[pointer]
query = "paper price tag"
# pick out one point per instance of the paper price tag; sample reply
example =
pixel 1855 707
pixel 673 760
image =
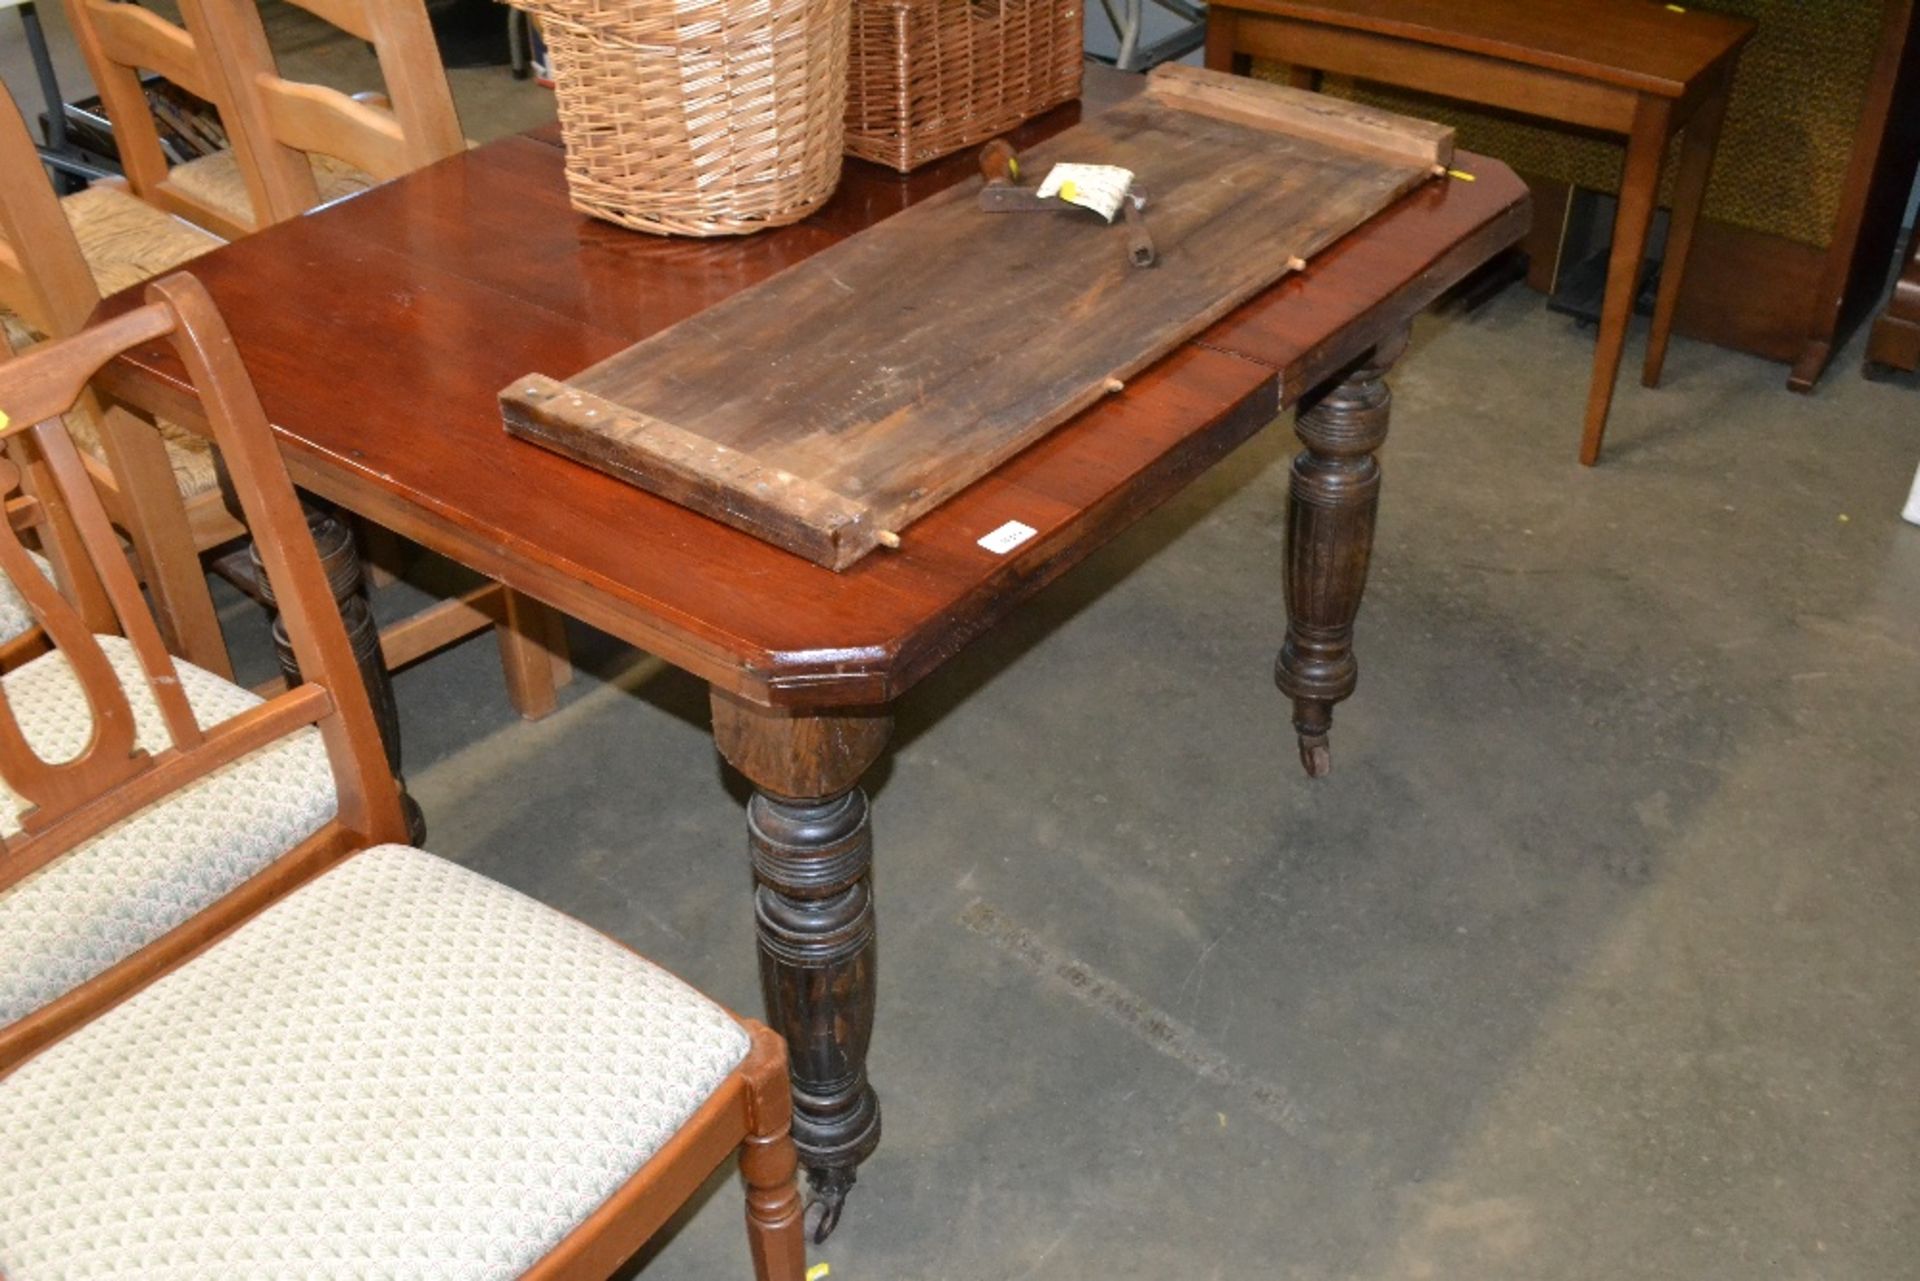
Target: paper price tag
pixel 1100 188
pixel 1007 537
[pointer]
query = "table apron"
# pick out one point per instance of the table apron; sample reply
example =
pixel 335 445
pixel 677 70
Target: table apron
pixel 1452 73
pixel 822 688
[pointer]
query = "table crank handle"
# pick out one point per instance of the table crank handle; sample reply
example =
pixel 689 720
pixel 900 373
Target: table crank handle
pixel 999 162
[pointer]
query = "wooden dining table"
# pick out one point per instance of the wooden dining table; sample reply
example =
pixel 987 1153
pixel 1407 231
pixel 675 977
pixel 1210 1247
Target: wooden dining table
pixel 380 331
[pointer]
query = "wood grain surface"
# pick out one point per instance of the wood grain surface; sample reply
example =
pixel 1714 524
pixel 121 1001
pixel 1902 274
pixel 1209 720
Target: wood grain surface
pixel 827 408
pixel 380 331
pixel 1643 45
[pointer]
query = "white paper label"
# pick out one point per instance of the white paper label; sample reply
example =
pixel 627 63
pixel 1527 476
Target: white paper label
pixel 1007 537
pixel 1100 188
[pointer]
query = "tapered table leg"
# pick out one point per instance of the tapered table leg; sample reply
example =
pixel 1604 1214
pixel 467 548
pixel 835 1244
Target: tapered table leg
pixel 1330 514
pixel 340 557
pixel 812 851
pixel 1702 136
pixel 1639 192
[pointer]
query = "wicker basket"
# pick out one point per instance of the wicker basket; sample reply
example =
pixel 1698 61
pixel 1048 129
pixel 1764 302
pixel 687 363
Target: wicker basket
pixel 698 117
pixel 929 77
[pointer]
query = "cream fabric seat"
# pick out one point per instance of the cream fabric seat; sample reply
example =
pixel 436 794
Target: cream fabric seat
pixel 216 181
pixel 126 242
pixel 15 618
pixel 112 895
pixel 402 1070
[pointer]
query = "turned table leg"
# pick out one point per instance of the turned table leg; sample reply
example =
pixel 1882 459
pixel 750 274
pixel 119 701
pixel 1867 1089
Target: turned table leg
pixel 1330 513
pixel 812 852
pixel 340 557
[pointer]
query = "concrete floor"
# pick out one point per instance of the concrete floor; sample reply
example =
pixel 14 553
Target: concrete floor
pixel 1593 959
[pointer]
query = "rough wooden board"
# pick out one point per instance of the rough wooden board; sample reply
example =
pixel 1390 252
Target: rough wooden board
pixel 849 395
pixel 1318 116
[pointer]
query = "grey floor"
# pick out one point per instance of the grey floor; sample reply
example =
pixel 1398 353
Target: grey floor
pixel 1594 959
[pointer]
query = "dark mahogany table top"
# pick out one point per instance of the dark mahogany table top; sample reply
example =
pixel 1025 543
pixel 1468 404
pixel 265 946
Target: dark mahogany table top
pixel 381 329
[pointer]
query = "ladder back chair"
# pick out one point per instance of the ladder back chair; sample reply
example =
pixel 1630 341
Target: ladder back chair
pixel 292 128
pixel 224 1100
pixel 222 192
pixel 330 144
pixel 120 41
pixel 289 137
pixel 164 490
pixel 52 276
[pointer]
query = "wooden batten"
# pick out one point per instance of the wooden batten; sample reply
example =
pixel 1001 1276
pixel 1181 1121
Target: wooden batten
pixel 1337 122
pixel 320 120
pixel 133 37
pixel 727 484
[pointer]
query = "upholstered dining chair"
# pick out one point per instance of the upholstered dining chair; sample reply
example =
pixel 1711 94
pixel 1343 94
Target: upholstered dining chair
pixel 357 1059
pixel 53 272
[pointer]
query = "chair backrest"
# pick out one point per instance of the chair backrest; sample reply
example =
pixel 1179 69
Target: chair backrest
pixel 43 276
pixel 285 122
pixel 119 41
pixel 45 282
pixel 272 124
pixel 110 778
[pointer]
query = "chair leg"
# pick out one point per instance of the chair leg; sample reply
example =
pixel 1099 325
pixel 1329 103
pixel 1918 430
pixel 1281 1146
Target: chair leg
pixel 532 654
pixel 557 652
pixel 769 1164
pixel 775 1225
pixel 382 553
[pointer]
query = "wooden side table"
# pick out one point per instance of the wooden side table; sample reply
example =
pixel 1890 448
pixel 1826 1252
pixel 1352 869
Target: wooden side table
pixel 1643 70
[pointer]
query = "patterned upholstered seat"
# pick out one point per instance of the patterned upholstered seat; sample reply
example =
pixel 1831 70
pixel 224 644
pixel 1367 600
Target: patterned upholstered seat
pixel 15 618
pixel 112 895
pixel 216 181
pixel 403 1069
pixel 126 241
